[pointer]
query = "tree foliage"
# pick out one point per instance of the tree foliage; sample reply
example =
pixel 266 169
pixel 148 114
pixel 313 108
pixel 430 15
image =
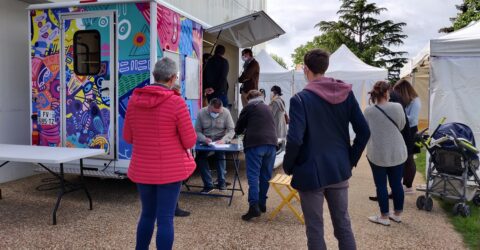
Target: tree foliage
pixel 327 42
pixel 469 11
pixel 279 60
pixel 362 32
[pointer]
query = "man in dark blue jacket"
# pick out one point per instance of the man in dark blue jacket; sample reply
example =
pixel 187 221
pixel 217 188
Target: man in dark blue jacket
pixel 319 154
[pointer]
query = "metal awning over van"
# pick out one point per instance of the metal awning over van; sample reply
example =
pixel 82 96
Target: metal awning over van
pixel 247 31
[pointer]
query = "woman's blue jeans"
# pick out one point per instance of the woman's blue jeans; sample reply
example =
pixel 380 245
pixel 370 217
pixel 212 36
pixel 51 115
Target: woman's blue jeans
pixel 158 203
pixel 394 176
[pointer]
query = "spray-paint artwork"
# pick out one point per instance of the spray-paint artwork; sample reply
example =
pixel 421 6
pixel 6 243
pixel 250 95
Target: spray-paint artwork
pixel 78 113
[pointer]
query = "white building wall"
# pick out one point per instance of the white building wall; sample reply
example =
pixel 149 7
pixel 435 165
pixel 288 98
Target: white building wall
pixel 215 12
pixel 14 83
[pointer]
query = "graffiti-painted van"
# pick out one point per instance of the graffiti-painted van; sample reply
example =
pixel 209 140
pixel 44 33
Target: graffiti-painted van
pixel 87 58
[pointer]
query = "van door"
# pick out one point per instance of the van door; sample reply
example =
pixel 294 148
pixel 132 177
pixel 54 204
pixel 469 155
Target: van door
pixel 88 77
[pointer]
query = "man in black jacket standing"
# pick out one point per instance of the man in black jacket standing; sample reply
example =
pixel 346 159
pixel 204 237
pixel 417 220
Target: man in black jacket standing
pixel 319 154
pixel 215 84
pixel 256 122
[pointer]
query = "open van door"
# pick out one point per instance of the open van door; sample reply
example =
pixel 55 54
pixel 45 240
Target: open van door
pixel 87 80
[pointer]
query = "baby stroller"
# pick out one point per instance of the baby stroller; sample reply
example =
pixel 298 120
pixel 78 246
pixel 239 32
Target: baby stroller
pixel 452 167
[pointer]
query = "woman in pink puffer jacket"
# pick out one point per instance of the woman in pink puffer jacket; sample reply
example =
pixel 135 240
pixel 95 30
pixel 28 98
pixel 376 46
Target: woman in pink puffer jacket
pixel 158 125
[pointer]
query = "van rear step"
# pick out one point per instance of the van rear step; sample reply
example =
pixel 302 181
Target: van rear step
pixel 90 172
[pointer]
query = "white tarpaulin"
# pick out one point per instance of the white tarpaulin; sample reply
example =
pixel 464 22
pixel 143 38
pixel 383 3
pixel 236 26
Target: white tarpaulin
pixel 271 73
pixel 454 79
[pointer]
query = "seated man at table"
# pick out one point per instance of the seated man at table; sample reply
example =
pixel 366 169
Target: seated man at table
pixel 214 124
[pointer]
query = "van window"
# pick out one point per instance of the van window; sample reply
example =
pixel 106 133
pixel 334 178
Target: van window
pixel 86 52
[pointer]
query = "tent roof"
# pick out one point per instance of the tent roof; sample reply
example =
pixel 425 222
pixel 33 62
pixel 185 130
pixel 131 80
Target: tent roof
pixel 344 64
pixel 268 64
pixel 415 61
pixel 463 42
pixel 270 70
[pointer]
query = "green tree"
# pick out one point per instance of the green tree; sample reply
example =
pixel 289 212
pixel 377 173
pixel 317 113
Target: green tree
pixel 326 42
pixel 469 11
pixel 279 60
pixel 369 38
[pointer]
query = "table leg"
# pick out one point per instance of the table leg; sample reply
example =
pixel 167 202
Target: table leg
pixel 3 164
pixel 83 185
pixel 237 166
pixel 236 177
pixel 185 183
pixel 60 194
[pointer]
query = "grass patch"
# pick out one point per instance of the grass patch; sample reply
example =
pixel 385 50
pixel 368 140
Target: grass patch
pixel 468 227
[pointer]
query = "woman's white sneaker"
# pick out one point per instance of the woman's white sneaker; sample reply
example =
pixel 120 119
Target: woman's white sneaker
pixel 409 191
pixel 377 219
pixel 395 218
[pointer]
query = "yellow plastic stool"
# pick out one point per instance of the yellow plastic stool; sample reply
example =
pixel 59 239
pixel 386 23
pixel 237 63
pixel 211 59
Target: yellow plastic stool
pixel 279 181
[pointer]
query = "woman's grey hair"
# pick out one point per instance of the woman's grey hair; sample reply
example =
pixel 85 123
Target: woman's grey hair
pixel 164 69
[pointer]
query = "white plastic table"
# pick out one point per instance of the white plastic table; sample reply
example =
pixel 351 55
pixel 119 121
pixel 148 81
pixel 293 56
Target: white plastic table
pixel 51 155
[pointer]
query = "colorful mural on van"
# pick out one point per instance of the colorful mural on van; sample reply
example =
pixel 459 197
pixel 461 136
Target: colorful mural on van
pixel 85 106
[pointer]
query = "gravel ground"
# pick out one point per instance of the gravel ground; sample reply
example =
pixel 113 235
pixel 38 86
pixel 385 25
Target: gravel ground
pixel 25 220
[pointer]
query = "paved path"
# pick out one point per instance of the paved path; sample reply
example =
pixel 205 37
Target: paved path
pixel 25 221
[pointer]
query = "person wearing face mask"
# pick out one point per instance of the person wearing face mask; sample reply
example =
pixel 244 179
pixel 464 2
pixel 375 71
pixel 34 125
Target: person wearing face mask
pixel 214 124
pixel 250 75
pixel 319 154
pixel 161 159
pixel 277 105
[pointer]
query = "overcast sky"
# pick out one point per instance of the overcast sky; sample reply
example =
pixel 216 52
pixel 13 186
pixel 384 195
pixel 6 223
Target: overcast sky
pixel 423 17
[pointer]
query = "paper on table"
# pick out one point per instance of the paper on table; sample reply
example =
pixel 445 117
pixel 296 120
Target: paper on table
pixel 218 145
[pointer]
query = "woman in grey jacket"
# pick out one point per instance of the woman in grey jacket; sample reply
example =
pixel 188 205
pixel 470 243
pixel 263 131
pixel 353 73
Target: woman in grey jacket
pixel 278 110
pixel 386 151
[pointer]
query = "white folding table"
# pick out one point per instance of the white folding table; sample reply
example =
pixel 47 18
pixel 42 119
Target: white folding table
pixel 51 155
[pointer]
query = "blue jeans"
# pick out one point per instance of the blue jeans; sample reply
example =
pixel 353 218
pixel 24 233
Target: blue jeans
pixel 158 203
pixel 260 160
pixel 394 175
pixel 202 159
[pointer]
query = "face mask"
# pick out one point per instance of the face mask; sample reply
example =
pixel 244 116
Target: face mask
pixel 244 58
pixel 214 115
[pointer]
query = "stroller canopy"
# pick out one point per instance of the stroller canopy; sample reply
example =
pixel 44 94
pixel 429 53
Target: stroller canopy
pixel 455 129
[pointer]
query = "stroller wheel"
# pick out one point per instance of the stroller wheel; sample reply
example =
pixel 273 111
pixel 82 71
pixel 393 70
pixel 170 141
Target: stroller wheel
pixel 465 211
pixel 476 200
pixel 421 200
pixel 457 209
pixel 429 204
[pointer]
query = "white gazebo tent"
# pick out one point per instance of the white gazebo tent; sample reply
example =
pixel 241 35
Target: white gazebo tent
pixel 346 66
pixel 454 81
pixel 271 73
pixel 417 72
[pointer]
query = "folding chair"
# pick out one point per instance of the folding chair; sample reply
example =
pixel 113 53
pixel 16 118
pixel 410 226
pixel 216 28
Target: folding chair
pixel 279 181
